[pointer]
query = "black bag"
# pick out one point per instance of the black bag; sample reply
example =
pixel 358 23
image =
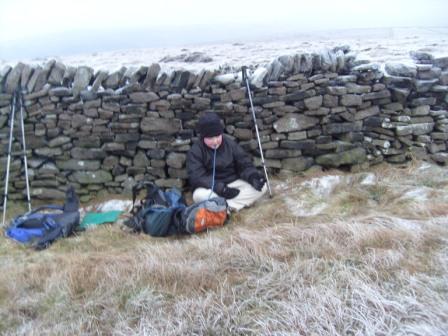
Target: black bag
pixel 159 213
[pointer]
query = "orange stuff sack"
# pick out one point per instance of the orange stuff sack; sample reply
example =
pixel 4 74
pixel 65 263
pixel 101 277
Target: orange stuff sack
pixel 205 215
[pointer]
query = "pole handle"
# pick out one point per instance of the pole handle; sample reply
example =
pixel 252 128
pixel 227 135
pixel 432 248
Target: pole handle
pixel 244 72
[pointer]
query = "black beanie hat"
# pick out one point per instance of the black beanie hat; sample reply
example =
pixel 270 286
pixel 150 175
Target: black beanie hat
pixel 209 125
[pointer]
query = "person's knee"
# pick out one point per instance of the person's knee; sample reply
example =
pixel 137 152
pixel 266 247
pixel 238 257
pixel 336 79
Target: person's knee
pixel 200 194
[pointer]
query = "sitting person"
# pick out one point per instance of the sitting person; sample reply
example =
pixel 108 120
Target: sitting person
pixel 235 177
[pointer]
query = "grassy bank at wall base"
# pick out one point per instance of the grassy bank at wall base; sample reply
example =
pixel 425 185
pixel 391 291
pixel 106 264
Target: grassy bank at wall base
pixel 332 253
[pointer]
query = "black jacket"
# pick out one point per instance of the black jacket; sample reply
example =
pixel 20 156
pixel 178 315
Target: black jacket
pixel 232 163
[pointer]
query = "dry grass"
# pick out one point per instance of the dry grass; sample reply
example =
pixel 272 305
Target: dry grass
pixel 371 260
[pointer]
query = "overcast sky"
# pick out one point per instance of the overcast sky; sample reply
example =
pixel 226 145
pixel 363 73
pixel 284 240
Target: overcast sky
pixel 56 22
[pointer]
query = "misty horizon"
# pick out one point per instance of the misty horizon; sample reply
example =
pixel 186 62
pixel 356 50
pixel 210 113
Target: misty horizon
pixel 82 42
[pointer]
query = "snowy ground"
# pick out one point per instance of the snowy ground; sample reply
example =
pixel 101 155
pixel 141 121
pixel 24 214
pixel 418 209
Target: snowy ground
pixel 387 44
pixel 314 196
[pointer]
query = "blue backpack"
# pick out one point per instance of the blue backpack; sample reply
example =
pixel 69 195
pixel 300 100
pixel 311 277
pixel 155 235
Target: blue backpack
pixel 39 227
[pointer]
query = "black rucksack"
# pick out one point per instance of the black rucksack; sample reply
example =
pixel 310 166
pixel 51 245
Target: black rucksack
pixel 159 213
pixel 39 227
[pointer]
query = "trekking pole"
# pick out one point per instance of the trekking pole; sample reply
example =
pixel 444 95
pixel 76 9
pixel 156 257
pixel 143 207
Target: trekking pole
pixel 11 127
pixel 246 80
pixel 25 161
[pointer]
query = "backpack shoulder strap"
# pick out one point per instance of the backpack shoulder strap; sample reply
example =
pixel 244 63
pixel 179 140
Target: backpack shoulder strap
pixel 135 190
pixel 71 203
pixel 35 217
pixel 155 195
pixel 175 198
pixel 44 207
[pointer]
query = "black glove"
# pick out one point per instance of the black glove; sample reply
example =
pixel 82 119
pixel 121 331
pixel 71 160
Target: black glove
pixel 229 193
pixel 257 181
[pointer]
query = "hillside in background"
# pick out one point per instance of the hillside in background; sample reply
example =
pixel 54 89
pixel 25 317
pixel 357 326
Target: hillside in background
pixel 216 47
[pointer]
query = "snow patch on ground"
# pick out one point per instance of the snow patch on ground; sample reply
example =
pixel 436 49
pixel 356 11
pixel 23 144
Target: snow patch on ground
pixel 425 166
pixel 420 194
pixel 282 186
pixel 110 205
pixel 121 205
pixel 301 208
pixel 312 196
pixel 369 179
pixel 401 223
pixel 322 186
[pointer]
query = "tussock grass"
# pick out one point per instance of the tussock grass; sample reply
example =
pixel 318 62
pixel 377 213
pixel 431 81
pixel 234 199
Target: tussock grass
pixel 368 261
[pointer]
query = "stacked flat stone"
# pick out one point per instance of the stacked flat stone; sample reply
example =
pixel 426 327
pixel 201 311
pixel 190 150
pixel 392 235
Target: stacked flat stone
pixel 103 131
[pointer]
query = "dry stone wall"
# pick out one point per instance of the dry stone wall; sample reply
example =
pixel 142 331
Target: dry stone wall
pixel 103 131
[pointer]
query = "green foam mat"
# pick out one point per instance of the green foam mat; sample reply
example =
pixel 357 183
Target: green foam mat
pixel 96 218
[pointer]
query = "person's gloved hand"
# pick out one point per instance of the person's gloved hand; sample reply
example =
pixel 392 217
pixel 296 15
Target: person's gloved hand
pixel 257 180
pixel 229 193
